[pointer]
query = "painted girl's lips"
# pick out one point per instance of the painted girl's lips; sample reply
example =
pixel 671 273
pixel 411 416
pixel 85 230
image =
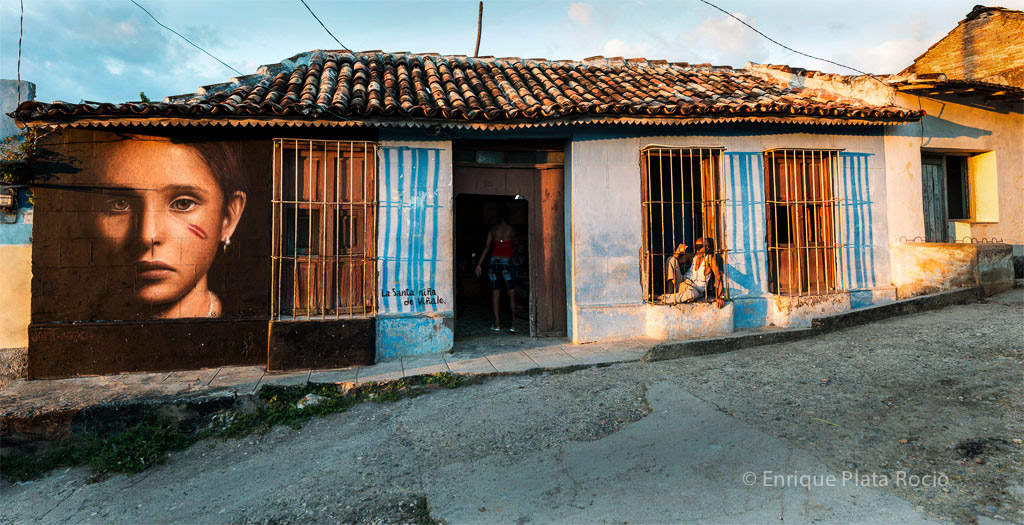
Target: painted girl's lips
pixel 153 270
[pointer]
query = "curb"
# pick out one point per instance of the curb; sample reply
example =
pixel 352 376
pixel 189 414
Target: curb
pixel 819 326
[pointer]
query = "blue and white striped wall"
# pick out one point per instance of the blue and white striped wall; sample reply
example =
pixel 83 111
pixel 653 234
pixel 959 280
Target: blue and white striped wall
pixel 414 246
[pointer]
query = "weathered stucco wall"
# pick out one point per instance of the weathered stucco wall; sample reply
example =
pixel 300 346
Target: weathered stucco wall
pixel 606 300
pixel 685 321
pixel 15 295
pixel 414 246
pixel 992 133
pixel 924 268
pixel 793 312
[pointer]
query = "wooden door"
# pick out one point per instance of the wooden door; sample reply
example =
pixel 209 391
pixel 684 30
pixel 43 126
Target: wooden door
pixel 544 193
pixel 933 195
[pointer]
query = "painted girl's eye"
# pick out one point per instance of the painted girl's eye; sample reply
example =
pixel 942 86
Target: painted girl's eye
pixel 183 204
pixel 118 205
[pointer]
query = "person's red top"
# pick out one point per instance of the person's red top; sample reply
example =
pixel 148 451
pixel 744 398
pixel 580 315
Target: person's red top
pixel 503 249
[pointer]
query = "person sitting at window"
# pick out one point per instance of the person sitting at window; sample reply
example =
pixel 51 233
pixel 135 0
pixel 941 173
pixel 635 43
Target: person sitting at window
pixel 704 274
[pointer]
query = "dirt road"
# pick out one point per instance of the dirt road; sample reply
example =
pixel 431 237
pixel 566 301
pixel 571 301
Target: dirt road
pixel 936 394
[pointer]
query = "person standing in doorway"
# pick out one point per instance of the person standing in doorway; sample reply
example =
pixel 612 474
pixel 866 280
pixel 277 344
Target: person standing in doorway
pixel 501 269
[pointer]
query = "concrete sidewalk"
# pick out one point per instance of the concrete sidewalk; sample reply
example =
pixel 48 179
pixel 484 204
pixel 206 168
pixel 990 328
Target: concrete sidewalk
pixel 23 400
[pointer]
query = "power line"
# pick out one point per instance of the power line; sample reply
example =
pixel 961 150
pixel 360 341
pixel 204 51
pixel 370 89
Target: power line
pixel 187 40
pixel 784 46
pixel 21 27
pixel 325 27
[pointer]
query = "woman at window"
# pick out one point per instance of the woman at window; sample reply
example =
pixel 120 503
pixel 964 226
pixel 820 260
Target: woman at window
pixel 163 212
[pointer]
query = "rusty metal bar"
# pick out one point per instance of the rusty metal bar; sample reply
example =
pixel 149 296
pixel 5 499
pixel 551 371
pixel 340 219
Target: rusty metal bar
pixel 338 247
pixel 696 192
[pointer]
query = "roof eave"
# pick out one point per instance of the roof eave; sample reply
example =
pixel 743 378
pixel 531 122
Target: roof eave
pixel 634 120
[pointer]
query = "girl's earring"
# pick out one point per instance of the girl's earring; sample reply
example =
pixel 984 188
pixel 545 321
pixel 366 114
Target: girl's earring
pixel 225 243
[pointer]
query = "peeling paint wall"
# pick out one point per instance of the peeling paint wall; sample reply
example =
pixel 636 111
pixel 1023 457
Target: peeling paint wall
pixel 797 312
pixel 414 244
pixel 607 299
pixel 685 321
pixel 925 268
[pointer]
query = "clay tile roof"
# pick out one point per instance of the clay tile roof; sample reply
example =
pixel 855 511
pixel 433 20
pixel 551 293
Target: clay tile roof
pixel 339 85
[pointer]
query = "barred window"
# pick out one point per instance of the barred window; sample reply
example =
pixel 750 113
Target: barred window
pixel 681 195
pixel 324 228
pixel 802 212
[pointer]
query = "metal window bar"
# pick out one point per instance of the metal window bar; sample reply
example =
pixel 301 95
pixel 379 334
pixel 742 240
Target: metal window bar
pixel 327 188
pixel 681 201
pixel 806 248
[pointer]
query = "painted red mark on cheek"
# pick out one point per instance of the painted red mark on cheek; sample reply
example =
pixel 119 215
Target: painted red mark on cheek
pixel 197 231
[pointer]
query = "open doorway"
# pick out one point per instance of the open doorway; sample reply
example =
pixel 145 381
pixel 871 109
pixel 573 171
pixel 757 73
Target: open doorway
pixel 529 178
pixel 474 216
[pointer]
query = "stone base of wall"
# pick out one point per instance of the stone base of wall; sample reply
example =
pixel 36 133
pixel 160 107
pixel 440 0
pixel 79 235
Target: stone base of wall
pixel 797 312
pixel 601 322
pixel 13 363
pixel 58 350
pixel 321 344
pixel 406 336
pixel 690 320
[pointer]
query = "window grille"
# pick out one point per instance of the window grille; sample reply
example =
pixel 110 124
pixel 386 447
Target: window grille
pixel 681 196
pixel 323 259
pixel 802 216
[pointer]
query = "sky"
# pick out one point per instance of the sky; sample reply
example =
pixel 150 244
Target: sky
pixel 110 50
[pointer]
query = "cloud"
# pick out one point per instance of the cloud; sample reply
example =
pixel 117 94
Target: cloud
pixel 110 52
pixel 582 13
pixel 891 56
pixel 725 41
pixel 618 48
pixel 114 66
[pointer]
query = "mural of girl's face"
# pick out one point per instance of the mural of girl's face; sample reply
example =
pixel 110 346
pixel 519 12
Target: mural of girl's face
pixel 166 216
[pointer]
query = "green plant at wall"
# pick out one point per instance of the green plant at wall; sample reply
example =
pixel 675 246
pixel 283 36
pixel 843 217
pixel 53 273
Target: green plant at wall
pixel 17 153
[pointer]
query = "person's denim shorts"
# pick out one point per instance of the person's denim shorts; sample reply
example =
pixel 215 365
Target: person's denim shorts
pixel 502 273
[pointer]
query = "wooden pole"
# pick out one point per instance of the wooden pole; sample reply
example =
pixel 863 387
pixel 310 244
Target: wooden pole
pixel 479 24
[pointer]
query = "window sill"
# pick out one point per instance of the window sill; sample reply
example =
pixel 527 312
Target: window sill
pixel 970 221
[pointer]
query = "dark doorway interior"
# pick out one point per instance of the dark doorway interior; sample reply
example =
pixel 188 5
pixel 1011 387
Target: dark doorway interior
pixel 474 216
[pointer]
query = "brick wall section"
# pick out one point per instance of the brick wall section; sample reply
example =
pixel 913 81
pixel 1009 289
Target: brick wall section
pixel 986 47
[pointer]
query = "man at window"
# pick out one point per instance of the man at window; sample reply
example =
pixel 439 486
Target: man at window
pixel 704 274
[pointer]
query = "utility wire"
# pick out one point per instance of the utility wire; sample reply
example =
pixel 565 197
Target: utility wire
pixel 325 27
pixel 784 46
pixel 187 40
pixel 21 27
